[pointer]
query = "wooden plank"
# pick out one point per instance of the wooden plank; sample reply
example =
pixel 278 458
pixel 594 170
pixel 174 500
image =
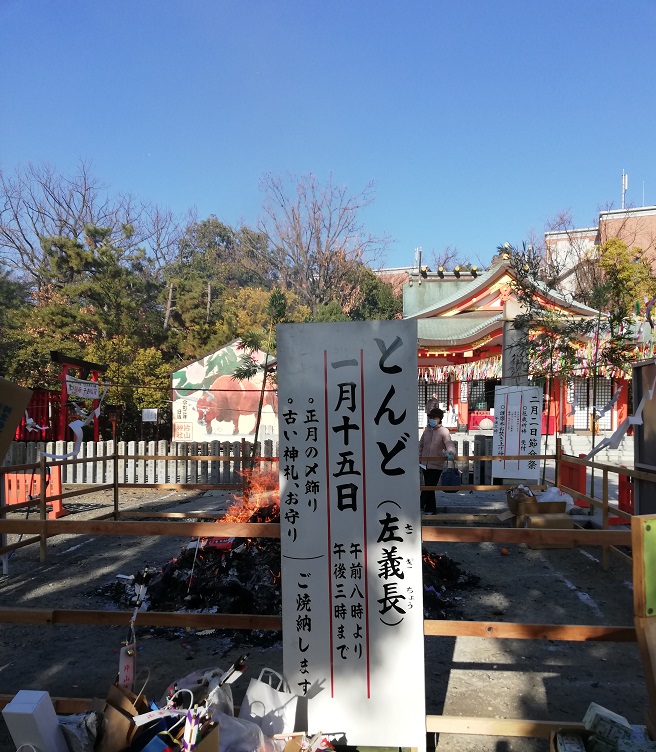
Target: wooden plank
pixel 440 628
pixel 171 457
pixel 519 535
pixel 595 502
pixel 63 705
pixel 510 631
pixel 144 618
pixel 186 486
pixel 20 505
pixel 19 544
pixel 638 544
pixel 272 530
pixel 486 457
pixel 646 634
pixel 446 724
pixel 466 487
pixel 455 517
pixel 649 568
pixel 172 515
pixel 605 554
pixel 630 473
pixel 171 529
pixel 441 724
pixel 19 468
pixel 105 516
pixel 624 556
pixel 80 492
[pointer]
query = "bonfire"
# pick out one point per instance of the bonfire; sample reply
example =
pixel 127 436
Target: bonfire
pixel 242 575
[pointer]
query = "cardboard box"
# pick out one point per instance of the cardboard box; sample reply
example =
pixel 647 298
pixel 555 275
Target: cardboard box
pixel 13 401
pixel 566 731
pixel 210 743
pixel 606 724
pixel 516 495
pixel 118 710
pixel 31 719
pixel 532 506
pixel 549 522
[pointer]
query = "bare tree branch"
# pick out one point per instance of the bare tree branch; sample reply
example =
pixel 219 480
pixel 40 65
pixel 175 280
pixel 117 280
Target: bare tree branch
pixel 315 235
pixel 38 203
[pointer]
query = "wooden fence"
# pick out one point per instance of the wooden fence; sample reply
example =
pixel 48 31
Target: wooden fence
pixel 161 462
pixel 160 523
pixel 146 462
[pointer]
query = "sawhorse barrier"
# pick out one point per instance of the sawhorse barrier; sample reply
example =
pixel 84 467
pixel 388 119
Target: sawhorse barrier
pixel 25 485
pixel 574 477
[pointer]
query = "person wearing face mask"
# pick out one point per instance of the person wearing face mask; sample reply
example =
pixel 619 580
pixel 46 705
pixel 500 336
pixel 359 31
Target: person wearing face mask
pixel 436 443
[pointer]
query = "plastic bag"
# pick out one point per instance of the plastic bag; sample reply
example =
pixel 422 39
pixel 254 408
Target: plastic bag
pixel 554 494
pixel 80 731
pixel 237 734
pixel 201 684
pixel 270 703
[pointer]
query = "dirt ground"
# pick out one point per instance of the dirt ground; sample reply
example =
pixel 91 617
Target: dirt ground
pixel 538 680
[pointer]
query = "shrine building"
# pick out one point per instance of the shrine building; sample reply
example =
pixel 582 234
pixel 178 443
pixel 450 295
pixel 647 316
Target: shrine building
pixel 460 323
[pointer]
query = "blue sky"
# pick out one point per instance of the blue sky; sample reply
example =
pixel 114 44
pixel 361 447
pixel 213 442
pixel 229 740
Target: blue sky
pixel 477 121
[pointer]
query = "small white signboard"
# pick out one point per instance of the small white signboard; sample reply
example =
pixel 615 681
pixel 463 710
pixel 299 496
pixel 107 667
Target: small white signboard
pixel 82 389
pixel 517 430
pixel 149 415
pixel 353 638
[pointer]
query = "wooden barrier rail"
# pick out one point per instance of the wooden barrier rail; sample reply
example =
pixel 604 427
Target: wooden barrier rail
pixel 45 528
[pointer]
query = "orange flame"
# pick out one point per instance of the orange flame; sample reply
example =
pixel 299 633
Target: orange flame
pixel 261 499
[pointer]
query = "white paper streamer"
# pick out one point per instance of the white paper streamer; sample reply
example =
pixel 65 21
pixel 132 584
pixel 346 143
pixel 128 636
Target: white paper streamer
pixel 31 424
pixel 608 405
pixel 613 441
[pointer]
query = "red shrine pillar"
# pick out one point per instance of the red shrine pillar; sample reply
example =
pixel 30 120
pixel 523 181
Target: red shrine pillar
pixel 63 399
pixel 621 408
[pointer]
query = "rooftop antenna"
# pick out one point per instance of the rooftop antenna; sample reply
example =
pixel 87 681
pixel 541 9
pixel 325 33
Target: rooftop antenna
pixel 419 264
pixel 625 185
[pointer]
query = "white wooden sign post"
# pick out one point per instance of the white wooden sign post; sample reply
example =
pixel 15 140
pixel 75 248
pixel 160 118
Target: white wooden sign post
pixel 517 430
pixel 353 642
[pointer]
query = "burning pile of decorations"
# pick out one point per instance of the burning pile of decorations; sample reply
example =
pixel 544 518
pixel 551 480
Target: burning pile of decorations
pixel 242 575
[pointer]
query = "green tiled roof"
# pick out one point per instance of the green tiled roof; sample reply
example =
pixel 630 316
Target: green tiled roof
pixel 424 298
pixel 453 330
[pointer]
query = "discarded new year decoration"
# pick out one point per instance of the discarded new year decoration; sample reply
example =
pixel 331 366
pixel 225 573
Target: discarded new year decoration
pixel 31 425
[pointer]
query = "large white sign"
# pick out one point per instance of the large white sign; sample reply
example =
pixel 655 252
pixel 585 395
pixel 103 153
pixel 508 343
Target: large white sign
pixel 517 430
pixel 353 638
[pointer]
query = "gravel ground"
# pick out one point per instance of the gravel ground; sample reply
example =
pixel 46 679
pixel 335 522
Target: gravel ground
pixel 539 680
